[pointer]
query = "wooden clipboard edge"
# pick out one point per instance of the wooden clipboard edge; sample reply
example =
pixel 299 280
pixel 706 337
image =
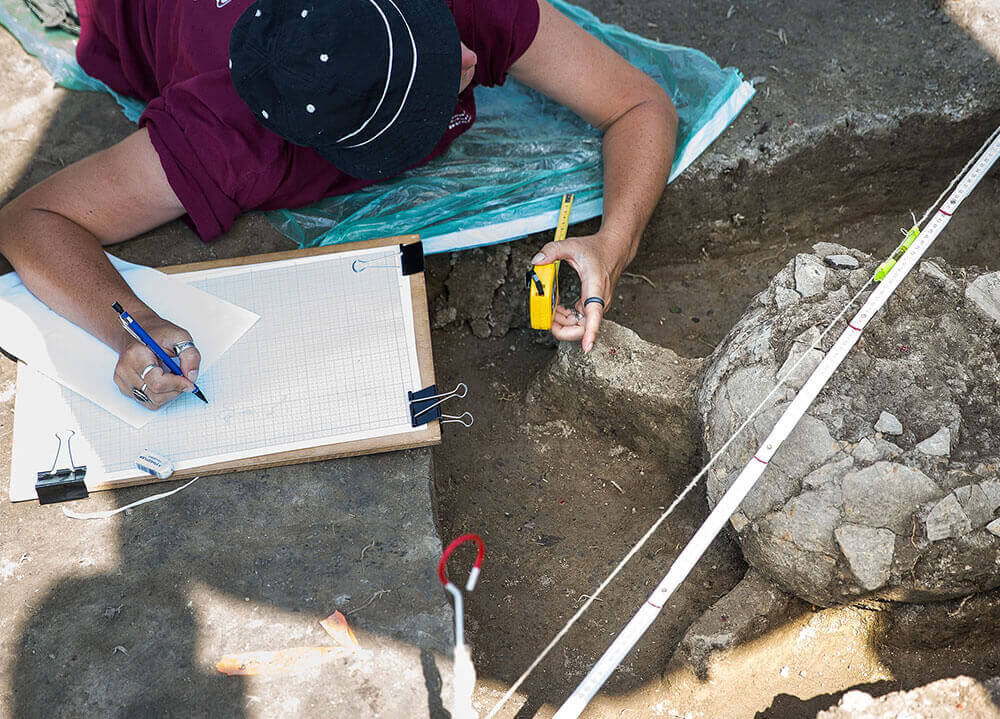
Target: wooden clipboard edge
pixel 429 435
pixel 290 254
pixel 423 438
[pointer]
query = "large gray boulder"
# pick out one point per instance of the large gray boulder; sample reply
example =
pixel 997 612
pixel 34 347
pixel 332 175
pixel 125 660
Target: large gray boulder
pixel 889 486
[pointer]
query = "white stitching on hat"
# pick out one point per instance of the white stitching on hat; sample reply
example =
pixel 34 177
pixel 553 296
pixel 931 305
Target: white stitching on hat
pixel 388 75
pixel 413 74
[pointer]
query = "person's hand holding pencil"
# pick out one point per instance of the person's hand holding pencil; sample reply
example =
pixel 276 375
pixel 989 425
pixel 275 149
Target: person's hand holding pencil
pixel 143 375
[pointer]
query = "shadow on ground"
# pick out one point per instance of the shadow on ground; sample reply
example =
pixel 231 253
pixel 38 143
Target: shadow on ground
pixel 124 617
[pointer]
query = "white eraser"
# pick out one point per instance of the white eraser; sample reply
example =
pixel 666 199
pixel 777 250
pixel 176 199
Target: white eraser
pixel 155 464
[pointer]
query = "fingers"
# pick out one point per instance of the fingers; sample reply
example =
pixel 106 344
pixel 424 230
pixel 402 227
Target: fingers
pixel 595 271
pixel 567 325
pixel 553 251
pixel 566 316
pixel 592 313
pixel 189 359
pixel 159 386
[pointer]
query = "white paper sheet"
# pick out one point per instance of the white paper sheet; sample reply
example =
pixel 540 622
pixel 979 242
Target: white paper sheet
pixel 331 360
pixel 62 351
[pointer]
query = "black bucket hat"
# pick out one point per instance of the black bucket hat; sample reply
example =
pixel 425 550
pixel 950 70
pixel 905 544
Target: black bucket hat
pixel 369 84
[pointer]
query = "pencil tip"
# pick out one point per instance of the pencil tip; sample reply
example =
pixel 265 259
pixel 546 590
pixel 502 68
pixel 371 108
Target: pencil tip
pixel 199 395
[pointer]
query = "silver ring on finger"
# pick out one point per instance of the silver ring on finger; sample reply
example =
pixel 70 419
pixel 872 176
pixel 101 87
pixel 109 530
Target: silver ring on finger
pixel 182 346
pixel 140 395
pixel 146 370
pixel 143 388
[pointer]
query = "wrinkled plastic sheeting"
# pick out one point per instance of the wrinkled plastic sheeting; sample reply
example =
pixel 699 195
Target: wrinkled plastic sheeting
pixel 505 176
pixel 500 180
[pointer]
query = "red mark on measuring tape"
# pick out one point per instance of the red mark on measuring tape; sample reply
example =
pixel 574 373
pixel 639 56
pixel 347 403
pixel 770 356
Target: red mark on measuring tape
pixel 654 605
pixel 944 213
pixel 759 459
pixel 853 327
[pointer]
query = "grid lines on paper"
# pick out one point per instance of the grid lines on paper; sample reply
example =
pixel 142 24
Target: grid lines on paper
pixel 329 360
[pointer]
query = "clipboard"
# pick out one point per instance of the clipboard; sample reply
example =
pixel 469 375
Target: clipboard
pixel 425 429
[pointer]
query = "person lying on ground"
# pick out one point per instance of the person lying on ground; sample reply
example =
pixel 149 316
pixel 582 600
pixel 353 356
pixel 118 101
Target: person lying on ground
pixel 275 104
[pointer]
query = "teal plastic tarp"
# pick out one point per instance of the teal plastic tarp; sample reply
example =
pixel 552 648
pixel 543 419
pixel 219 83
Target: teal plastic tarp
pixel 500 180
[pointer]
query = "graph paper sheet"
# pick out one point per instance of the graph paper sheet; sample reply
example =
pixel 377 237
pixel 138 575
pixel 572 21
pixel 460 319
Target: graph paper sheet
pixel 331 360
pixel 59 349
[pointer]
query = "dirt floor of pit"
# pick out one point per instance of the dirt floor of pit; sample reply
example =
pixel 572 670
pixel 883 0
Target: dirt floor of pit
pixel 539 490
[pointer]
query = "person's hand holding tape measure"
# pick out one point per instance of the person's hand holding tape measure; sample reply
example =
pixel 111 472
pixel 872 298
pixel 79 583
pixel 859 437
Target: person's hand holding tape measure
pixel 599 260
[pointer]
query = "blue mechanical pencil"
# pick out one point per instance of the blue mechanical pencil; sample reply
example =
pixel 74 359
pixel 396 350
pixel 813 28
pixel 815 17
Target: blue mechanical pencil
pixel 133 328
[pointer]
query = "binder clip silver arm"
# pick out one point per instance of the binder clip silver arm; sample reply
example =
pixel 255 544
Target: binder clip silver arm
pixel 60 485
pixel 360 265
pixel 465 419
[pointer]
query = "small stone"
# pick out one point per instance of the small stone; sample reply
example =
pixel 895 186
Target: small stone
pixel 872 449
pixel 827 473
pixel 822 249
pixel 785 298
pixel 856 701
pixel 991 489
pixel 994 527
pixel 808 520
pixel 868 551
pixel 739 521
pixel 865 450
pixel 984 292
pixel 810 274
pixel 884 495
pixel 932 269
pixel 841 262
pixel 802 345
pixel 975 504
pixel 857 278
pixel 888 424
pixel 445 316
pixel 938 444
pixel 947 520
pixel 783 672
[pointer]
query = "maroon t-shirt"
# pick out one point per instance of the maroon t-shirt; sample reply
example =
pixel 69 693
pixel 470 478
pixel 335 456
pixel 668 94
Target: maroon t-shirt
pixel 219 161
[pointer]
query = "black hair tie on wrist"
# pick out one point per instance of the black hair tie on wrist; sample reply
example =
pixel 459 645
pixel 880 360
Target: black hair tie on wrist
pixel 598 300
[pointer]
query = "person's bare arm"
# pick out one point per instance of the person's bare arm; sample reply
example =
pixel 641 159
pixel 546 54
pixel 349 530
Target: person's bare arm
pixel 639 123
pixel 53 236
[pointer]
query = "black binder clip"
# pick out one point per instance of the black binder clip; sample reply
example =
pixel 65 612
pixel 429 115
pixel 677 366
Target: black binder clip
pixel 411 260
pixel 62 485
pixel 425 406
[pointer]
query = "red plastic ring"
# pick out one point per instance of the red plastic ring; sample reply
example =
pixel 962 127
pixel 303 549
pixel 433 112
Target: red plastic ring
pixel 442 569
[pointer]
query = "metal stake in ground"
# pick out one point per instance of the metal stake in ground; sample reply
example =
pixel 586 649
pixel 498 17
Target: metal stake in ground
pixel 465 671
pixel 748 477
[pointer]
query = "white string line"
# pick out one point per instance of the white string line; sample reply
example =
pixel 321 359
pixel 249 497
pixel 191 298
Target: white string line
pixel 704 470
pixel 680 498
pixel 111 512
